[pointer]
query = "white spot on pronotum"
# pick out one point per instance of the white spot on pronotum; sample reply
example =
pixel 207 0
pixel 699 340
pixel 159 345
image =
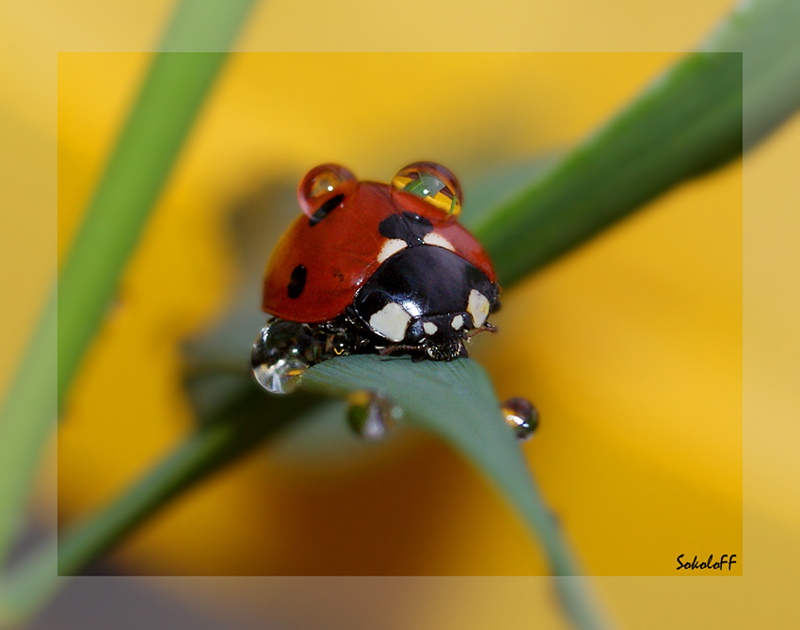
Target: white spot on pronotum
pixel 431 238
pixel 429 328
pixel 391 247
pixel 478 307
pixel 458 322
pixel 391 322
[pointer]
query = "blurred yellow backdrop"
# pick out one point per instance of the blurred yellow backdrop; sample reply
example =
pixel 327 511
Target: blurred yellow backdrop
pixel 602 421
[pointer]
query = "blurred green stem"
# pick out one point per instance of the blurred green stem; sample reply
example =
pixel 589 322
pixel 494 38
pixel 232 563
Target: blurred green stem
pixel 686 123
pixel 27 418
pixel 169 101
pixel 231 431
pixel 145 153
pixel 694 118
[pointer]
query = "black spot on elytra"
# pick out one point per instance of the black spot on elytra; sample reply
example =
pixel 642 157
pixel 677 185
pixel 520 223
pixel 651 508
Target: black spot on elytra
pixel 408 227
pixel 297 282
pixel 325 209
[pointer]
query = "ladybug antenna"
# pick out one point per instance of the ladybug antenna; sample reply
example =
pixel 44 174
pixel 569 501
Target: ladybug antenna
pixel 487 327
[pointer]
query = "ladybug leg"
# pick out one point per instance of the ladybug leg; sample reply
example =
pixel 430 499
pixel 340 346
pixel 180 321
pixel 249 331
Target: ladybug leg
pixel 387 350
pixel 487 327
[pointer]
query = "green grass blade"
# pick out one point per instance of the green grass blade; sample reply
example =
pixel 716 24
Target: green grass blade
pixel 205 25
pixel 30 587
pixel 233 430
pixel 686 123
pixel 766 31
pixel 692 119
pixel 27 418
pixel 456 401
pixel 145 152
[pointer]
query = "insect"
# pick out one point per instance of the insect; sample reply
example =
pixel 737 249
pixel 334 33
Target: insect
pixel 373 268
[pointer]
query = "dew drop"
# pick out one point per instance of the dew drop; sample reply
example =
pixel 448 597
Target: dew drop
pixel 281 353
pixel 372 415
pixel 521 416
pixel 321 185
pixel 433 183
pixel 281 377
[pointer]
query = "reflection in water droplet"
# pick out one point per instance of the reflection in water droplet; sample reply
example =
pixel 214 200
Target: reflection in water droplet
pixel 281 353
pixel 281 377
pixel 323 183
pixel 433 183
pixel 372 415
pixel 521 416
pixel 284 350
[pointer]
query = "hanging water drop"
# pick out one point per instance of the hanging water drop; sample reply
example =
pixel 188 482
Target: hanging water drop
pixel 281 353
pixel 372 415
pixel 521 416
pixel 281 377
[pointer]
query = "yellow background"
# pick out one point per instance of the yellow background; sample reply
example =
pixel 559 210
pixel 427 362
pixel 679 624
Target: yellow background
pixel 763 595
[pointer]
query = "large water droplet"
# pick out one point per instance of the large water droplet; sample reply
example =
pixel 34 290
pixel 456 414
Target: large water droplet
pixel 372 415
pixel 281 353
pixel 281 377
pixel 521 416
pixel 433 183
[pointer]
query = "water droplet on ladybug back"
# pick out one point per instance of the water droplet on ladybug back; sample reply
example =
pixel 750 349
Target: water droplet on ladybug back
pixel 372 415
pixel 323 188
pixel 281 354
pixel 521 416
pixel 433 183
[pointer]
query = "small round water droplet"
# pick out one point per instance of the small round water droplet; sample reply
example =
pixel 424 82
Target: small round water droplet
pixel 372 415
pixel 521 416
pixel 323 183
pixel 433 183
pixel 281 353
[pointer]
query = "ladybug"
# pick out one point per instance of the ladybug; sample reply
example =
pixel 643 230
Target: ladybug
pixel 373 268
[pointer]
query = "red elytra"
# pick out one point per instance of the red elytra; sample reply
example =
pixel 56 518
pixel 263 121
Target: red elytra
pixel 338 251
